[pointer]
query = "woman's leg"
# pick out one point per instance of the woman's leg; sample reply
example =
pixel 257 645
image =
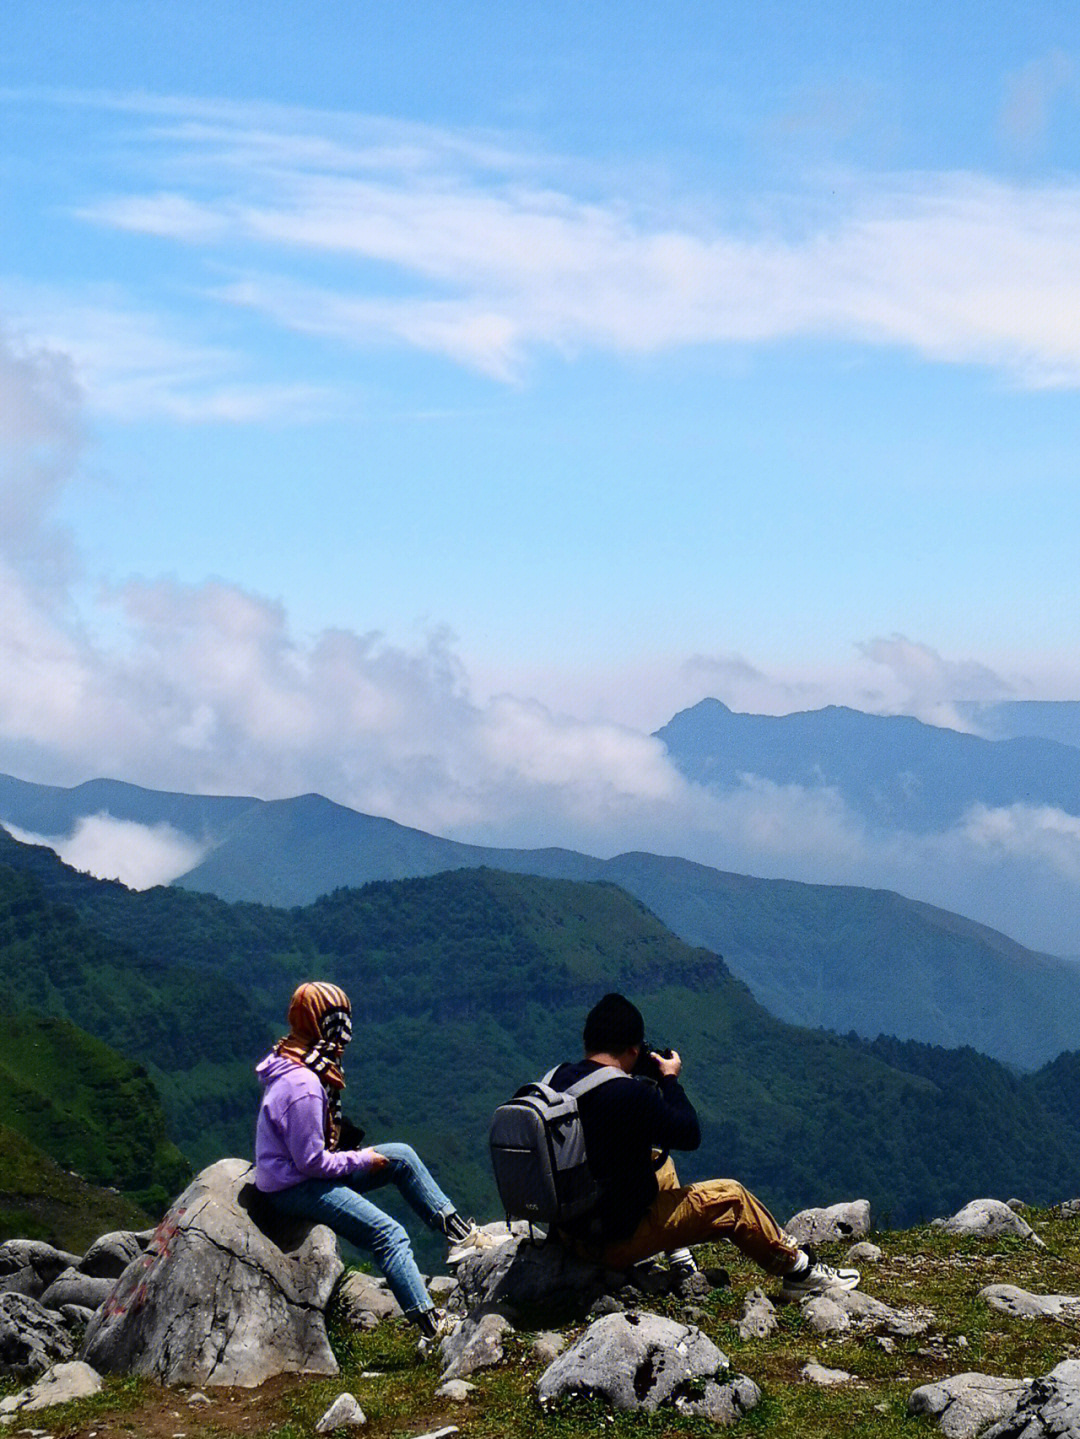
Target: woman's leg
pixel 412 1177
pixel 362 1223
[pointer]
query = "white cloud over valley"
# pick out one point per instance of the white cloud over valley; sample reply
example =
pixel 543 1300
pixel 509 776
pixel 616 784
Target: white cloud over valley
pixel 138 855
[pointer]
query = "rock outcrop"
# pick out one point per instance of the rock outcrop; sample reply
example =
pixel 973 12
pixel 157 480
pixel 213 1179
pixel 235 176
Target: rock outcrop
pixel 31 1337
pixel 1022 1304
pixel 218 1298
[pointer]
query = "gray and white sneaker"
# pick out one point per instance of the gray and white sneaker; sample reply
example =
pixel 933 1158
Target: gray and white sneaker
pixel 434 1326
pixel 471 1243
pixel 817 1278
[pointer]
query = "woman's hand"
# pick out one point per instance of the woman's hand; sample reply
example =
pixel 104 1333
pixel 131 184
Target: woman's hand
pixel 373 1159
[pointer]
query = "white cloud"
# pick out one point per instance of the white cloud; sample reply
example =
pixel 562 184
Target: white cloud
pixel 138 855
pixel 132 363
pixel 922 682
pixel 503 252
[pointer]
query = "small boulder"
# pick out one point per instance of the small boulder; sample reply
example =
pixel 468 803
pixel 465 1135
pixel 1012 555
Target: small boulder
pixel 22 1281
pixel 58 1385
pixel 758 1318
pixel 218 1298
pixel 825 1316
pixel 31 1337
pixel 548 1345
pixel 837 1221
pixel 863 1253
pixel 71 1287
pixel 964 1404
pixel 990 1219
pixel 344 1413
pixel 643 1361
pixel 110 1255
pixel 815 1373
pixel 456 1390
pixel 1010 1299
pixel 475 1344
pixel 365 1302
pixel 45 1260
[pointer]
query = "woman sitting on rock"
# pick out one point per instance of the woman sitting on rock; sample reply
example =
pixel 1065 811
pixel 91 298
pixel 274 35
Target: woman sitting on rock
pixel 302 1171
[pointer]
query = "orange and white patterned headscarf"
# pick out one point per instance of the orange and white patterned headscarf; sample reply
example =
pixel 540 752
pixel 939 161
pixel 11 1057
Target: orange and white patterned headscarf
pixel 320 1026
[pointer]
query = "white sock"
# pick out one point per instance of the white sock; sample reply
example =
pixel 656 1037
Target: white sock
pixel 801 1264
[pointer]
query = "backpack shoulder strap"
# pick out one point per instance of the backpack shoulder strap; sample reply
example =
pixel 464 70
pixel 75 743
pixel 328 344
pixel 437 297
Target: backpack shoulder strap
pixel 594 1080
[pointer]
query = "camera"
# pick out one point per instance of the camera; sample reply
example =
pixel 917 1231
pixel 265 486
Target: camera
pixel 646 1066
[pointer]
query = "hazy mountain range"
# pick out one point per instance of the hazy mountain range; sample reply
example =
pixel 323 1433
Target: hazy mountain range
pixel 838 957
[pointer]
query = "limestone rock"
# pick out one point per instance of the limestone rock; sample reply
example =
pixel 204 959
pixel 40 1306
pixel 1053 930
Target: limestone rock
pixel 456 1390
pixel 441 1287
pixel 110 1254
pixel 758 1318
pixel 218 1298
pixel 837 1221
pixel 22 1281
pixel 522 1275
pixel 366 1302
pixel 863 1253
pixel 1009 1299
pixel 548 1345
pixel 58 1385
pixel 989 1219
pixel 344 1413
pixel 827 1378
pixel 31 1337
pixel 825 1316
pixel 71 1287
pixel 75 1316
pixel 643 1361
pixel 474 1344
pixel 44 1259
pixel 1048 1408
pixel 965 1403
pixel 839 1309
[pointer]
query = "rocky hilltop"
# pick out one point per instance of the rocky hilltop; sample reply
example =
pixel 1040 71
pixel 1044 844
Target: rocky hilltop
pixel 215 1323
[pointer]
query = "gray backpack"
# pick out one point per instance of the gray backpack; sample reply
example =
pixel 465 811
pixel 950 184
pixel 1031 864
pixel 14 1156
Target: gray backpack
pixel 538 1151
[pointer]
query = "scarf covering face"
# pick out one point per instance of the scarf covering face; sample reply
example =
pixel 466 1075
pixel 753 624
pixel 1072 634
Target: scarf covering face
pixel 320 1026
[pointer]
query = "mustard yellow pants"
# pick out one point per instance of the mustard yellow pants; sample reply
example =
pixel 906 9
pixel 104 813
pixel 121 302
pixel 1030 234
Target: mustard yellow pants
pixel 696 1213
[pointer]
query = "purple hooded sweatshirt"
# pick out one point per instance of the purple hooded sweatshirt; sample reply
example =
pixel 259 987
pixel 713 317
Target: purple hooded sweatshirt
pixel 290 1142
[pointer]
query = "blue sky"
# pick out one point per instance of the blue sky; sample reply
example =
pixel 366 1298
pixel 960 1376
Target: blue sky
pixel 422 403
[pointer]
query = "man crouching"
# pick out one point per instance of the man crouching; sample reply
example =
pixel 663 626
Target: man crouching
pixel 643 1210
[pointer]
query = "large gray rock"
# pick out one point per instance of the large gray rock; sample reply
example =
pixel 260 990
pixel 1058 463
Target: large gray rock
pixel 838 1221
pixel 643 1361
pixel 1049 1408
pixel 31 1337
pixel 519 1275
pixel 366 1301
pixel 218 1298
pixel 1009 1299
pixel 58 1385
pixel 988 1219
pixel 110 1254
pixel 344 1413
pixel 22 1281
pixel 965 1403
pixel 71 1287
pixel 475 1344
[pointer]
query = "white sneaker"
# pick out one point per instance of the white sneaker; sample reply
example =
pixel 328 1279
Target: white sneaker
pixel 472 1243
pixel 818 1278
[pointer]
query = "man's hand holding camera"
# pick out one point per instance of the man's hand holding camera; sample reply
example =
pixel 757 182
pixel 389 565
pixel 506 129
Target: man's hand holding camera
pixel 668 1063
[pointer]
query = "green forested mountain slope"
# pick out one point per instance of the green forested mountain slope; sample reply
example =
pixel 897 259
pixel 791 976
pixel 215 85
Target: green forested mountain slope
pixel 88 1108
pixel 39 1199
pixel 837 956
pixel 467 984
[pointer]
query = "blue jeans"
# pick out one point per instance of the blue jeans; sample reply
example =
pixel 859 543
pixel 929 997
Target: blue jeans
pixel 343 1207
